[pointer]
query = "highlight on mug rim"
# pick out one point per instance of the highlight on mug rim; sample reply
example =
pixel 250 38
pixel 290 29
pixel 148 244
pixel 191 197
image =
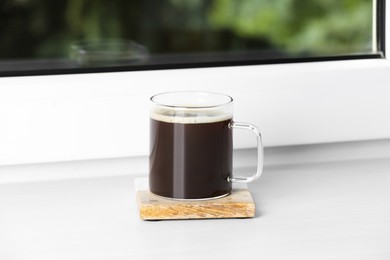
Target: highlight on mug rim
pixel 191 99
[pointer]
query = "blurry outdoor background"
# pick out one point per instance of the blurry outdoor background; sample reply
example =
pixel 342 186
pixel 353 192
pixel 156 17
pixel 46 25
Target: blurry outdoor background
pixel 174 31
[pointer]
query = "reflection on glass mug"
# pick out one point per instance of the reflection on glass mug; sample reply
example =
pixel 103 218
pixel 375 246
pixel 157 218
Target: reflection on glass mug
pixel 191 145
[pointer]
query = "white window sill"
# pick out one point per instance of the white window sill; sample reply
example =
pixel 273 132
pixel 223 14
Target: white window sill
pixel 336 206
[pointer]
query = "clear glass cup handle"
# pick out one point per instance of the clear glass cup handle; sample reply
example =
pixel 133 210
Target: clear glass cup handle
pixel 260 153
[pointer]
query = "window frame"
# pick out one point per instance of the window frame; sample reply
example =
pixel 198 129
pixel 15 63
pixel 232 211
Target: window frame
pixel 50 118
pixel 61 67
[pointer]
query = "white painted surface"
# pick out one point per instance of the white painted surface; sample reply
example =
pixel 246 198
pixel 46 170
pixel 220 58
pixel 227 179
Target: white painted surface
pixel 319 210
pixel 244 161
pixel 78 117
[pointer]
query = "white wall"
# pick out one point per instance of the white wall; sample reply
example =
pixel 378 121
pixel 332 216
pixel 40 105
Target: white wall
pixel 75 117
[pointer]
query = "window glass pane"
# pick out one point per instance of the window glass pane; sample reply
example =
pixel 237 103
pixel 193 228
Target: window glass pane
pixel 77 34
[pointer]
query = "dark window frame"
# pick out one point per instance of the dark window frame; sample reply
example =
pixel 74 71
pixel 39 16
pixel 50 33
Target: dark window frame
pixel 31 67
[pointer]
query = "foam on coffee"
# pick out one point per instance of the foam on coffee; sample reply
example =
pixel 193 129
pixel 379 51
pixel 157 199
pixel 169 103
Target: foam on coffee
pixel 190 117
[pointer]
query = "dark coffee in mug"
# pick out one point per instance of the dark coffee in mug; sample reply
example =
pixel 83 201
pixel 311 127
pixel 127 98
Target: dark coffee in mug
pixel 190 160
pixel 191 145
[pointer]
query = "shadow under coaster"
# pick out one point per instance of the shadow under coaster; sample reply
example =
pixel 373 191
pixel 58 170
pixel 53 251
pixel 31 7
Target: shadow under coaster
pixel 239 204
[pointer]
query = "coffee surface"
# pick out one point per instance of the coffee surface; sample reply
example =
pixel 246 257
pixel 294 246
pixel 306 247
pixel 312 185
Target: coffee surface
pixel 190 160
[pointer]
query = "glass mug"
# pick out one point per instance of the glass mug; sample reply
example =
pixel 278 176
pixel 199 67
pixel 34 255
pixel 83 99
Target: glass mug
pixel 191 145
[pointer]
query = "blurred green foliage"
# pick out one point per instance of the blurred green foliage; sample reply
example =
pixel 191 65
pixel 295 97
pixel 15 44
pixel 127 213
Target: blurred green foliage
pixel 322 26
pixel 46 28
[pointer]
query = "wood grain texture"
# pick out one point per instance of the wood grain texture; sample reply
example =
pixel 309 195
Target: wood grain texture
pixel 239 204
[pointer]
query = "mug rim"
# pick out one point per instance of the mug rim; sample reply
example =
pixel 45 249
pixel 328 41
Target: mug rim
pixel 154 97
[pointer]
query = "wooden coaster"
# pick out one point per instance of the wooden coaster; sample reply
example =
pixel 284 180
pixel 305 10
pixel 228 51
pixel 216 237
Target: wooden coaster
pixel 239 204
